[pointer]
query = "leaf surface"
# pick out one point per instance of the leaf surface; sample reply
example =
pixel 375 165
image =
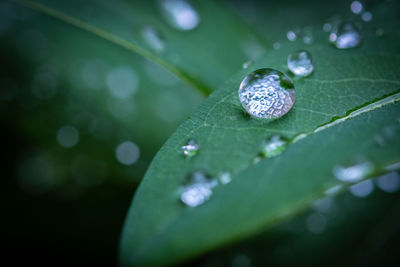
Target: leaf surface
pixel 339 110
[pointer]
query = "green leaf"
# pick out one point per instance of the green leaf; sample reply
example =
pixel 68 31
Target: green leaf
pixel 340 109
pixel 189 55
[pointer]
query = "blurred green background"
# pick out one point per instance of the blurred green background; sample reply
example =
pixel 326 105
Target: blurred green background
pixel 82 119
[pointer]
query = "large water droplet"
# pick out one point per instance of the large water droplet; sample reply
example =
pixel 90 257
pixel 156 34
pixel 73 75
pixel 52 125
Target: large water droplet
pixel 274 146
pixel 346 35
pixel 190 149
pixel 353 173
pixel 180 14
pixel 267 93
pixel 153 38
pixel 300 63
pixel 198 189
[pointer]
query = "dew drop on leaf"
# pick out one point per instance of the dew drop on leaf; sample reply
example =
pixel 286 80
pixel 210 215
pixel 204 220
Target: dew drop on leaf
pixel 291 35
pixel 353 173
pixel 197 189
pixel 190 149
pixel 267 93
pixel 247 64
pixel 225 177
pixel 346 35
pixel 274 146
pixel 300 63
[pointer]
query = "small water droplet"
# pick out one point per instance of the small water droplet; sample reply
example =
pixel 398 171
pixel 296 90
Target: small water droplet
pixel 180 14
pixel 225 177
pixel 267 93
pixel 153 38
pixel 197 189
pixel 274 146
pixel 291 35
pixel 300 63
pixel 276 45
pixel 356 7
pixel 190 149
pixel 346 35
pixel 353 173
pixel 366 16
pixel 362 189
pixel 389 182
pixel 308 35
pixel 380 32
pixel 247 64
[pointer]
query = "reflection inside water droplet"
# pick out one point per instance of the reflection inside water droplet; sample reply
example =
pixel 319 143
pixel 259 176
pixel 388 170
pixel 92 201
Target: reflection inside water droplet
pixel 353 173
pixel 300 63
pixel 197 189
pixel 190 149
pixel 267 93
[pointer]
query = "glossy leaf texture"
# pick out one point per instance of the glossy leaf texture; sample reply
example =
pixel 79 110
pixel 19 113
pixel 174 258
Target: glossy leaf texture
pixel 349 100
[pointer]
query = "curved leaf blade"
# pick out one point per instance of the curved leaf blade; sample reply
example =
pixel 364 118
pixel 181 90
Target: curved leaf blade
pixel 159 229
